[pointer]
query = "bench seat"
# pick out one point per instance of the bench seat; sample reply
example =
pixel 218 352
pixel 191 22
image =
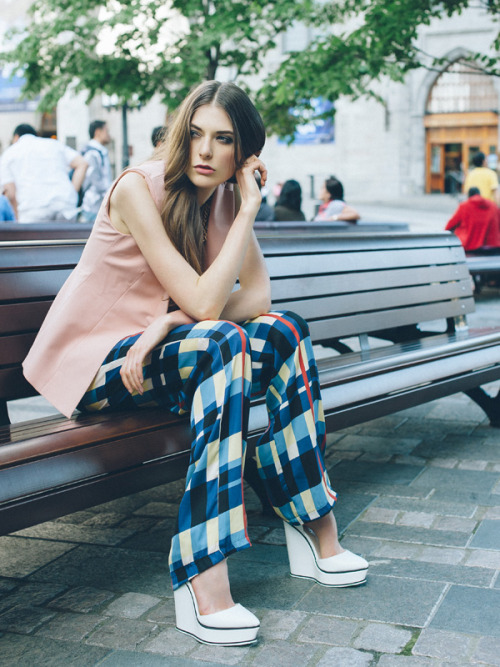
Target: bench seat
pixel 69 460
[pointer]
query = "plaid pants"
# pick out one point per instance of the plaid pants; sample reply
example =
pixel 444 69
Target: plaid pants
pixel 212 369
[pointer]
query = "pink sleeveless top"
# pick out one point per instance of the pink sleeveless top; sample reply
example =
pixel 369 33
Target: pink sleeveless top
pixel 112 293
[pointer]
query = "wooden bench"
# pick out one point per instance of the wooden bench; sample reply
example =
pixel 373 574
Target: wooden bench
pixel 372 292
pixel 13 231
pixel 39 231
pixel 484 266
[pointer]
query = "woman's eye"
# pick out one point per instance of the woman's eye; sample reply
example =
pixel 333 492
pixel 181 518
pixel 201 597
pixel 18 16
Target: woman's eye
pixel 225 140
pixel 194 133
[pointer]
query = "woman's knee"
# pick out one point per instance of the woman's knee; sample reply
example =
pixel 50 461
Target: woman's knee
pixel 288 320
pixel 226 340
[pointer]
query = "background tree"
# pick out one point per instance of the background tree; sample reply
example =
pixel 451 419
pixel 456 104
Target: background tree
pixel 133 49
pixel 359 43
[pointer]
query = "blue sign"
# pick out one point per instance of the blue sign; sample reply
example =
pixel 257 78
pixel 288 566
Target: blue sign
pixel 10 94
pixel 316 131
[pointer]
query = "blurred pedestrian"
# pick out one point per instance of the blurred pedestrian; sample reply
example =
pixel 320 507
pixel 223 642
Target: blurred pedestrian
pixel 35 177
pixel 6 211
pixel 334 207
pixel 265 212
pixel 476 222
pixel 157 135
pixel 484 178
pixel 289 204
pixel 98 176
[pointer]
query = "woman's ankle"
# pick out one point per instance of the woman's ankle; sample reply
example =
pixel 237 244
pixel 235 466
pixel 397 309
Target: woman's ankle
pixel 212 590
pixel 325 535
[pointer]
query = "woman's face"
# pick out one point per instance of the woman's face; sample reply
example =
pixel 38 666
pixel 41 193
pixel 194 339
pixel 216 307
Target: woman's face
pixel 324 195
pixel 212 150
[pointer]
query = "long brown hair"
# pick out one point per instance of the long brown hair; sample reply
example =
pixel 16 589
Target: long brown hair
pixel 180 211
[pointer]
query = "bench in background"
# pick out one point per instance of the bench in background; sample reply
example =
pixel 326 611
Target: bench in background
pixel 12 231
pixel 367 299
pixel 484 265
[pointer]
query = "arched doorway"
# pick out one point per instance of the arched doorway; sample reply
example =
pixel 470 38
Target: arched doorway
pixel 461 118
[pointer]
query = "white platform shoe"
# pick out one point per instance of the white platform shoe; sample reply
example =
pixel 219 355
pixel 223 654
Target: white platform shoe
pixel 345 569
pixel 235 626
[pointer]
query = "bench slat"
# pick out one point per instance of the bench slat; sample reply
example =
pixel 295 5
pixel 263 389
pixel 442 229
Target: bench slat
pixel 450 295
pixel 329 262
pixel 22 285
pixel 364 323
pixel 303 286
pixel 13 349
pixel 19 317
pixel 283 244
pixel 26 257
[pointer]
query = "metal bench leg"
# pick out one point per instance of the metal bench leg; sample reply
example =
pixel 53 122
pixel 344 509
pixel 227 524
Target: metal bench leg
pixel 490 404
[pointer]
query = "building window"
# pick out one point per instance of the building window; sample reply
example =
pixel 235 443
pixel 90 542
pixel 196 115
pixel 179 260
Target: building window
pixel 462 87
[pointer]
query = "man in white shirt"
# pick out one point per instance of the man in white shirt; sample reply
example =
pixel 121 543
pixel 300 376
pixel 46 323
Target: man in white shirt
pixel 35 176
pixel 98 177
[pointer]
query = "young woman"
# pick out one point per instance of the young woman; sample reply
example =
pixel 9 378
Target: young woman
pixel 167 248
pixel 289 204
pixel 333 206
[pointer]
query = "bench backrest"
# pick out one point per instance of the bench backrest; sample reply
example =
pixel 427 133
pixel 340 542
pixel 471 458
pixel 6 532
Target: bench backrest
pixel 344 285
pixel 13 231
pixel 38 231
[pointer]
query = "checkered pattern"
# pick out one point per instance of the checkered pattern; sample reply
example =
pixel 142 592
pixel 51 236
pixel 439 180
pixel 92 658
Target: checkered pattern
pixel 211 369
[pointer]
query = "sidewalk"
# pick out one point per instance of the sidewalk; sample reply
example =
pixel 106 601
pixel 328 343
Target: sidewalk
pixel 419 496
pixel 423 213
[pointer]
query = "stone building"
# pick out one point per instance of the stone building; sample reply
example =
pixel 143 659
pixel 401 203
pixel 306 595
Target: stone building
pixel 419 140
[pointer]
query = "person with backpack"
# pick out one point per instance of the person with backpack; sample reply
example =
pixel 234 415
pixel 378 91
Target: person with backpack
pixel 98 177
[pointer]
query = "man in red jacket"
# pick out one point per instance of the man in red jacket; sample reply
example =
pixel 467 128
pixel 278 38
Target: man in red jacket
pixel 476 222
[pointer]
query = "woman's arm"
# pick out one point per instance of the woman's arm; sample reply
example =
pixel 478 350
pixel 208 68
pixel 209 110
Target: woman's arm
pixel 132 372
pixel 348 214
pixel 80 165
pixel 9 190
pixel 133 211
pixel 253 297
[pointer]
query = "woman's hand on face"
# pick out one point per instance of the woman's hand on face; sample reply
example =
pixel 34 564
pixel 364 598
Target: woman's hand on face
pixel 245 177
pixel 131 372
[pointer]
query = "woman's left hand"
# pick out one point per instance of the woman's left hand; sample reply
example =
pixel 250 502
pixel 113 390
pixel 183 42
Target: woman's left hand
pixel 131 372
pixel 245 176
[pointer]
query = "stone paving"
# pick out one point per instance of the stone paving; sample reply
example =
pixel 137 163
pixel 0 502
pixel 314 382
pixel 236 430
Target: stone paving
pixel 419 496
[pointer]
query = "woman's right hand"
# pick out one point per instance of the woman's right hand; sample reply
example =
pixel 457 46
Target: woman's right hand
pixel 131 372
pixel 249 190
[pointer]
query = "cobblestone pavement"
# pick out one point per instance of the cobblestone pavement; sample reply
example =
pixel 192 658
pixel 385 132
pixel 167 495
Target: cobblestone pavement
pixel 419 496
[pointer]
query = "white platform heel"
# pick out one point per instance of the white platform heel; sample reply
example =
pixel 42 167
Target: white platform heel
pixel 345 569
pixel 235 626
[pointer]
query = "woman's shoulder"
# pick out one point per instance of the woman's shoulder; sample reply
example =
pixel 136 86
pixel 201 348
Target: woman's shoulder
pixel 153 168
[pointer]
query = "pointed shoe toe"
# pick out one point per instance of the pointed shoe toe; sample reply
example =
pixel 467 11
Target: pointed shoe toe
pixel 344 569
pixel 235 626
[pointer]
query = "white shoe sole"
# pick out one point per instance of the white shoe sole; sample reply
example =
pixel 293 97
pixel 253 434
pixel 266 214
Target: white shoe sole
pixel 235 626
